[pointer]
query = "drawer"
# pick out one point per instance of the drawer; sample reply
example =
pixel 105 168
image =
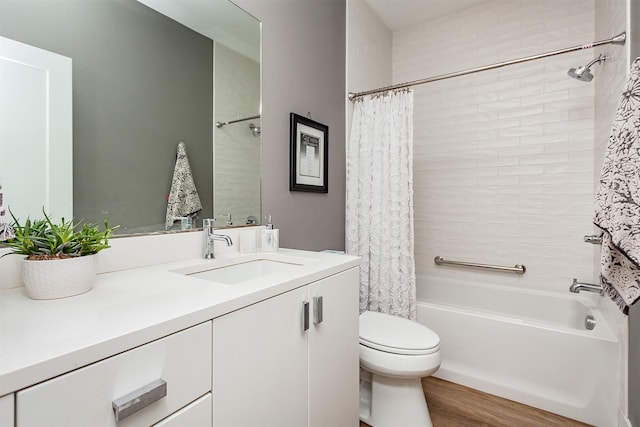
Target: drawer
pixel 84 397
pixel 197 414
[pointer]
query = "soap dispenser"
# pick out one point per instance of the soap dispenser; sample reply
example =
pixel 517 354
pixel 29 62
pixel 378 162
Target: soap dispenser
pixel 269 237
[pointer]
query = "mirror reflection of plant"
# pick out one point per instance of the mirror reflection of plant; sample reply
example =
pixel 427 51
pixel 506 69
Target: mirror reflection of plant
pixel 42 239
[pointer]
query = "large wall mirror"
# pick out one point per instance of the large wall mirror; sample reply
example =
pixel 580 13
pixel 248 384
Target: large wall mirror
pixel 147 75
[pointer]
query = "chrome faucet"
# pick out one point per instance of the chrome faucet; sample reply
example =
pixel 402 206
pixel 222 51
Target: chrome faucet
pixel 210 236
pixel 590 287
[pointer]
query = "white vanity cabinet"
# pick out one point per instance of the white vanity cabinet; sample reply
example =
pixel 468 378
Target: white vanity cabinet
pixel 6 410
pixel 273 368
pixel 196 414
pixel 85 397
pixel 333 352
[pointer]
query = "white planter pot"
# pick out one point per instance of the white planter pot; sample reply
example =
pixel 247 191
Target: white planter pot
pixel 59 278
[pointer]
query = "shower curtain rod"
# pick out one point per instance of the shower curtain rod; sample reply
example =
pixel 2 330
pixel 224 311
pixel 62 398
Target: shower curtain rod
pixel 619 39
pixel 220 124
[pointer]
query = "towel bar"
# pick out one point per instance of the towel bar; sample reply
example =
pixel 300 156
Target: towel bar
pixel 594 239
pixel 518 268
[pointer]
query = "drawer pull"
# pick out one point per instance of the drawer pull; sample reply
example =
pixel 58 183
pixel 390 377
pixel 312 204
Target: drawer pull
pixel 141 398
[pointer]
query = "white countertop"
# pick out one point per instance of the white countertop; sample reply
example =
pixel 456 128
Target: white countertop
pixel 40 339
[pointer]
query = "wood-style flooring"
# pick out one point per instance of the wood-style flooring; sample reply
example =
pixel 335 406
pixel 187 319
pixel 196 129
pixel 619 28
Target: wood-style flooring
pixel 453 405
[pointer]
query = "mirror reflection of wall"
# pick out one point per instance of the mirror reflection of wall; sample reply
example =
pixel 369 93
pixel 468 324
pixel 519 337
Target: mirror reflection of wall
pixel 237 153
pixel 141 84
pixel 35 121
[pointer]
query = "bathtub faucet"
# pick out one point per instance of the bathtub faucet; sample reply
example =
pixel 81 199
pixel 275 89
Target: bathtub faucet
pixel 590 287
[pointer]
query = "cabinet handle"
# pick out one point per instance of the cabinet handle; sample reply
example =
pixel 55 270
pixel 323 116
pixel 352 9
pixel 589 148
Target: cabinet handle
pixel 141 398
pixel 317 310
pixel 305 315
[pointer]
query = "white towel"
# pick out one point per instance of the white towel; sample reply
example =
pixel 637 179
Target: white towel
pixel 617 202
pixel 6 232
pixel 183 199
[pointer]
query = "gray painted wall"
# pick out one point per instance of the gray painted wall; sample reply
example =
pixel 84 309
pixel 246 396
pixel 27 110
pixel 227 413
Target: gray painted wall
pixel 141 84
pixel 303 71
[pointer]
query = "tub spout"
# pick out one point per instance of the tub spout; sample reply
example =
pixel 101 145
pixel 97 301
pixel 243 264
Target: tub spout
pixel 589 287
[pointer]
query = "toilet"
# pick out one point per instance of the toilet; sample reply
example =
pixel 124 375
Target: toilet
pixel 395 353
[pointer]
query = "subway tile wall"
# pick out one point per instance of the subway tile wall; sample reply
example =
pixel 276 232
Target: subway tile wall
pixel 237 152
pixel 611 77
pixel 503 159
pixel 368 52
pixel 368 48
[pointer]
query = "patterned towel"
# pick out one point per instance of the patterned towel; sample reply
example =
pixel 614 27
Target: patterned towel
pixel 6 232
pixel 183 199
pixel 617 202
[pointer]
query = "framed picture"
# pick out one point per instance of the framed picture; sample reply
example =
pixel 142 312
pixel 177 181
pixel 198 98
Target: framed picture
pixel 309 155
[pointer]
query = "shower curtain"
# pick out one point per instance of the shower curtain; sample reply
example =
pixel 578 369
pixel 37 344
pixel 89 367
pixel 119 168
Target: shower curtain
pixel 379 213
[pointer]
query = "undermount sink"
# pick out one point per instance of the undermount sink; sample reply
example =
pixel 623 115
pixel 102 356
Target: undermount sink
pixel 244 271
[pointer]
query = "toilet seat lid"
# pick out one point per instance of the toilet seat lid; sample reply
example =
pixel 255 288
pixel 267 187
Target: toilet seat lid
pixel 396 335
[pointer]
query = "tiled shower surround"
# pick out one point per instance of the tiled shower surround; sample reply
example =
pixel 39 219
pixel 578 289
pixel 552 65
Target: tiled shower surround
pixel 504 159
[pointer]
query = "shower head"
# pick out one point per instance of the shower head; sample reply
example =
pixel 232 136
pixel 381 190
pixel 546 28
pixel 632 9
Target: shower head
pixel 583 73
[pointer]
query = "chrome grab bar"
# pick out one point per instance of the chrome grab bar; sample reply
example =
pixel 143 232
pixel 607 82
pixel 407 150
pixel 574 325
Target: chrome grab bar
pixel 220 124
pixel 518 268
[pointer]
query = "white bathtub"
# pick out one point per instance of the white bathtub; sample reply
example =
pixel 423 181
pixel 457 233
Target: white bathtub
pixel 531 347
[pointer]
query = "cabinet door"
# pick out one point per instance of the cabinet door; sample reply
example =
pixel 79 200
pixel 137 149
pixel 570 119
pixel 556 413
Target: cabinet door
pixel 6 410
pixel 334 352
pixel 260 364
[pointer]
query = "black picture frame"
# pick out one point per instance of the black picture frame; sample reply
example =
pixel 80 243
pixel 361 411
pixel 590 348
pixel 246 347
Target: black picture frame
pixel 309 151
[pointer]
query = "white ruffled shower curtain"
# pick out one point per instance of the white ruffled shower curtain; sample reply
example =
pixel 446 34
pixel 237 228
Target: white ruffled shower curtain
pixel 379 213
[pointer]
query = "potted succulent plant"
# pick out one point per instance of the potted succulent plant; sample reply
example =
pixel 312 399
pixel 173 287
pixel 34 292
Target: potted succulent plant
pixel 59 258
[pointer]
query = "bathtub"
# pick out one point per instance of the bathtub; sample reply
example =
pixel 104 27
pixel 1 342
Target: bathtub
pixel 527 346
